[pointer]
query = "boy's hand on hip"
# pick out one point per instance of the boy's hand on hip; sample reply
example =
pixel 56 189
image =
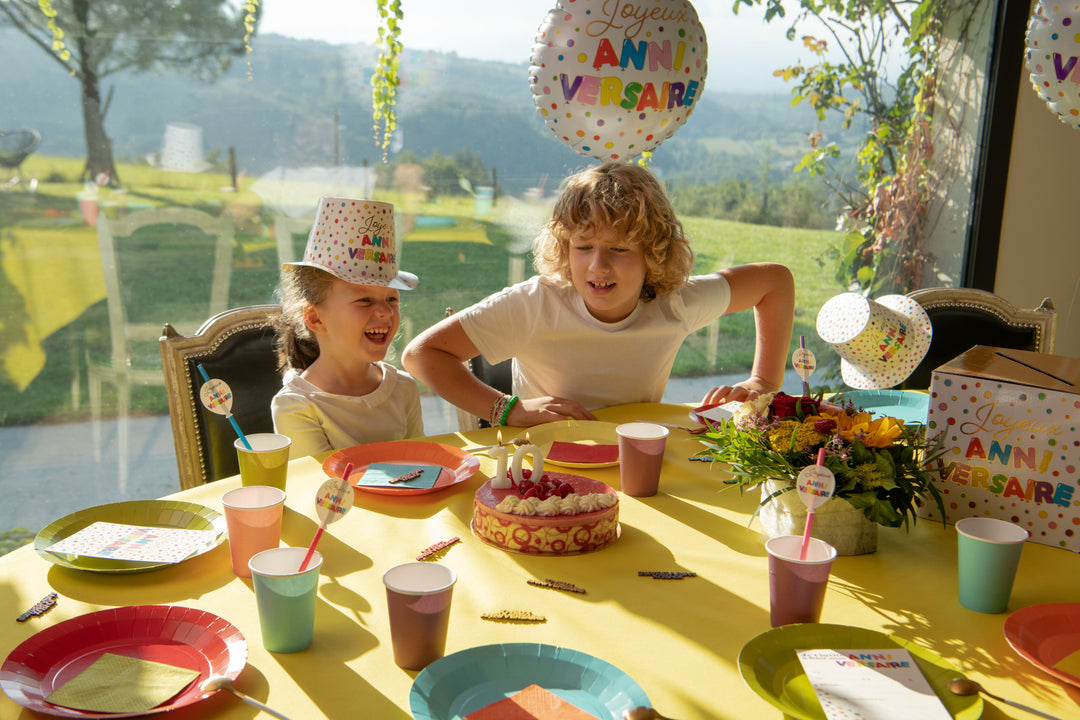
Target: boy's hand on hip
pixel 546 409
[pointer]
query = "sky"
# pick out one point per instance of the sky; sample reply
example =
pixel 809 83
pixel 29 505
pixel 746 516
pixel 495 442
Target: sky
pixel 744 50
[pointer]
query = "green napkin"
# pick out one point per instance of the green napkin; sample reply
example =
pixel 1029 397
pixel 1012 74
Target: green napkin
pixel 117 683
pixel 381 475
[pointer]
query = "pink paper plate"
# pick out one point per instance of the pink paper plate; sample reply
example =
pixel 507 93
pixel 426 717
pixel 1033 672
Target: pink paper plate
pixel 1046 634
pixel 457 465
pixel 179 636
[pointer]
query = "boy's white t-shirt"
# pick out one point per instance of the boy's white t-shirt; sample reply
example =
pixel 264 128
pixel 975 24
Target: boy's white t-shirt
pixel 560 350
pixel 317 421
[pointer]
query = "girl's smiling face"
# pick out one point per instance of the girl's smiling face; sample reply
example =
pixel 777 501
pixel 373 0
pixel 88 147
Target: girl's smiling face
pixel 356 322
pixel 608 272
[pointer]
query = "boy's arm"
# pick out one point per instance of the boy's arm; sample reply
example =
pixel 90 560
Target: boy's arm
pixel 437 356
pixel 769 289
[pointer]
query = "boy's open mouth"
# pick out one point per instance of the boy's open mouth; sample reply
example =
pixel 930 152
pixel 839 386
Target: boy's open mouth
pixel 601 285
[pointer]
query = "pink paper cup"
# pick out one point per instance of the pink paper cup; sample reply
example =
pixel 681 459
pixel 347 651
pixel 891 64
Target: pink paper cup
pixel 418 596
pixel 253 516
pixel 641 454
pixel 267 462
pixel 797 587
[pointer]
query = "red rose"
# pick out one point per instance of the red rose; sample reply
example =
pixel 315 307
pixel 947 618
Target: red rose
pixel 784 405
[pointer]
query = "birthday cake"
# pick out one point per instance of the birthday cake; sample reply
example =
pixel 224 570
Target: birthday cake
pixel 559 514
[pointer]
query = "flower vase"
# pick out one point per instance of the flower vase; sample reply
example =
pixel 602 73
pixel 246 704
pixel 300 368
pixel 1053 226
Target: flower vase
pixel 836 522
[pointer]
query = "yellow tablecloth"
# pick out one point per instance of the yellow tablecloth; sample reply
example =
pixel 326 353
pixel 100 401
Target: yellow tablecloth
pixel 679 639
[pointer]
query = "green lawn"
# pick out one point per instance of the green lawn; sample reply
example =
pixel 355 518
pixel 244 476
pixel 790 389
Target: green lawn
pixel 53 314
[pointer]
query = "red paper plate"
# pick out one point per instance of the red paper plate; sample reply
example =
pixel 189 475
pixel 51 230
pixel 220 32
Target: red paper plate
pixel 1044 635
pixel 179 636
pixel 457 465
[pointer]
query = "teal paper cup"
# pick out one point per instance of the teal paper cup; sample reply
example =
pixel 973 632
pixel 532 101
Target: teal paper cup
pixel 988 553
pixel 285 597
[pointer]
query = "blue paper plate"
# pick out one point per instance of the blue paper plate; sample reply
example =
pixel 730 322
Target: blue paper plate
pixel 458 684
pixel 911 406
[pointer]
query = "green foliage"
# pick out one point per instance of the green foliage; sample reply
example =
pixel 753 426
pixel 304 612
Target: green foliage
pixel 888 197
pixel 14 539
pixel 879 464
pixel 198 37
pixel 385 80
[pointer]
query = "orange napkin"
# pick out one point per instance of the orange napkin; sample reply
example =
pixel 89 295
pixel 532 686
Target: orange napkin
pixel 532 703
pixel 582 453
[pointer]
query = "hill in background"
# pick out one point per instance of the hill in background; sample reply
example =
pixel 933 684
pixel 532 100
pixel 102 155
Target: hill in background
pixel 307 98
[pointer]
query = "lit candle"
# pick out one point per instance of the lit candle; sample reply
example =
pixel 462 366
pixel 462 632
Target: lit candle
pixel 537 462
pixel 500 481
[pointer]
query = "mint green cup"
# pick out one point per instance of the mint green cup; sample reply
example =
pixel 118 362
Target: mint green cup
pixel 285 597
pixel 988 553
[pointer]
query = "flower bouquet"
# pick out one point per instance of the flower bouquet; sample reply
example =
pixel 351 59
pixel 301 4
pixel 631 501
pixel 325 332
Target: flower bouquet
pixel 879 463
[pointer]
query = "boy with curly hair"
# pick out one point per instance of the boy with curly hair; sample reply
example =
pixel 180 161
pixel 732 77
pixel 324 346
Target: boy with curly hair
pixel 602 322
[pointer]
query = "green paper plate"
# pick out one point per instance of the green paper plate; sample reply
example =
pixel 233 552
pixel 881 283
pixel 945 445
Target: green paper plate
pixel 911 406
pixel 768 664
pixel 466 681
pixel 148 513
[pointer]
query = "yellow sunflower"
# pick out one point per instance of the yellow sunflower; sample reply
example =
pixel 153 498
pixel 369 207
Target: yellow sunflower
pixel 873 432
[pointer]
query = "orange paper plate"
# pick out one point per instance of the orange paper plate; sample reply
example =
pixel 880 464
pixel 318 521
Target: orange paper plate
pixel 1044 635
pixel 457 465
pixel 179 636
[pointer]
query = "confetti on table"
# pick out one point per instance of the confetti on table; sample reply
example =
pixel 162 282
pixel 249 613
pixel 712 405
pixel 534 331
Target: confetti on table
pixel 432 549
pixel 41 607
pixel 514 616
pixel 557 585
pixel 664 575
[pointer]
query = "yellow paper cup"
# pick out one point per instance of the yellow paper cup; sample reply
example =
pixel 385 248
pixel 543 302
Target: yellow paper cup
pixel 267 462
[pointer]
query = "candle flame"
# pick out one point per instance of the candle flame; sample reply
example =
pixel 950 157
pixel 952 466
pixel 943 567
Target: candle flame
pixel 498 436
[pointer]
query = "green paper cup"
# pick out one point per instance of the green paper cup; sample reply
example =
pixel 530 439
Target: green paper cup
pixel 988 553
pixel 286 597
pixel 253 517
pixel 267 462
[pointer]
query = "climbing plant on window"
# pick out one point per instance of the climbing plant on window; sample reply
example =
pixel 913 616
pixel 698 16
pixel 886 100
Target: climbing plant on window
pixel 58 47
pixel 251 9
pixel 384 81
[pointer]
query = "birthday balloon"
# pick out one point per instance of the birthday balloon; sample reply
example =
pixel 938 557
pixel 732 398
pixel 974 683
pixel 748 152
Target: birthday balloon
pixel 615 78
pixel 1053 57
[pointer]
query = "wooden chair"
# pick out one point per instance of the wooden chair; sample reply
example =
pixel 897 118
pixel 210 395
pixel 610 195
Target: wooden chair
pixel 965 317
pixel 235 346
pixel 158 263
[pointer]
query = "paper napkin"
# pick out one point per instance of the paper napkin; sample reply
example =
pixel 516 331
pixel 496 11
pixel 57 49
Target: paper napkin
pixel 121 684
pixel 531 703
pixel 381 474
pixel 860 684
pixel 116 541
pixel 582 453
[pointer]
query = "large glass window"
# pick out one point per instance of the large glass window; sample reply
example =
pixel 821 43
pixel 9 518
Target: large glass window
pixel 178 114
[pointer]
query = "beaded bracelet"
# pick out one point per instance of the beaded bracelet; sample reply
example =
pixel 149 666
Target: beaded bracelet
pixel 506 412
pixel 497 409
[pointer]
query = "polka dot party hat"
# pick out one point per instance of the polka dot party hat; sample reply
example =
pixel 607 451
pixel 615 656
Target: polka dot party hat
pixel 354 240
pixel 880 342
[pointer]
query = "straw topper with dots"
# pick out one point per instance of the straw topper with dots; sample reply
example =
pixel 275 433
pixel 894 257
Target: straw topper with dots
pixel 334 499
pixel 217 397
pixel 804 363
